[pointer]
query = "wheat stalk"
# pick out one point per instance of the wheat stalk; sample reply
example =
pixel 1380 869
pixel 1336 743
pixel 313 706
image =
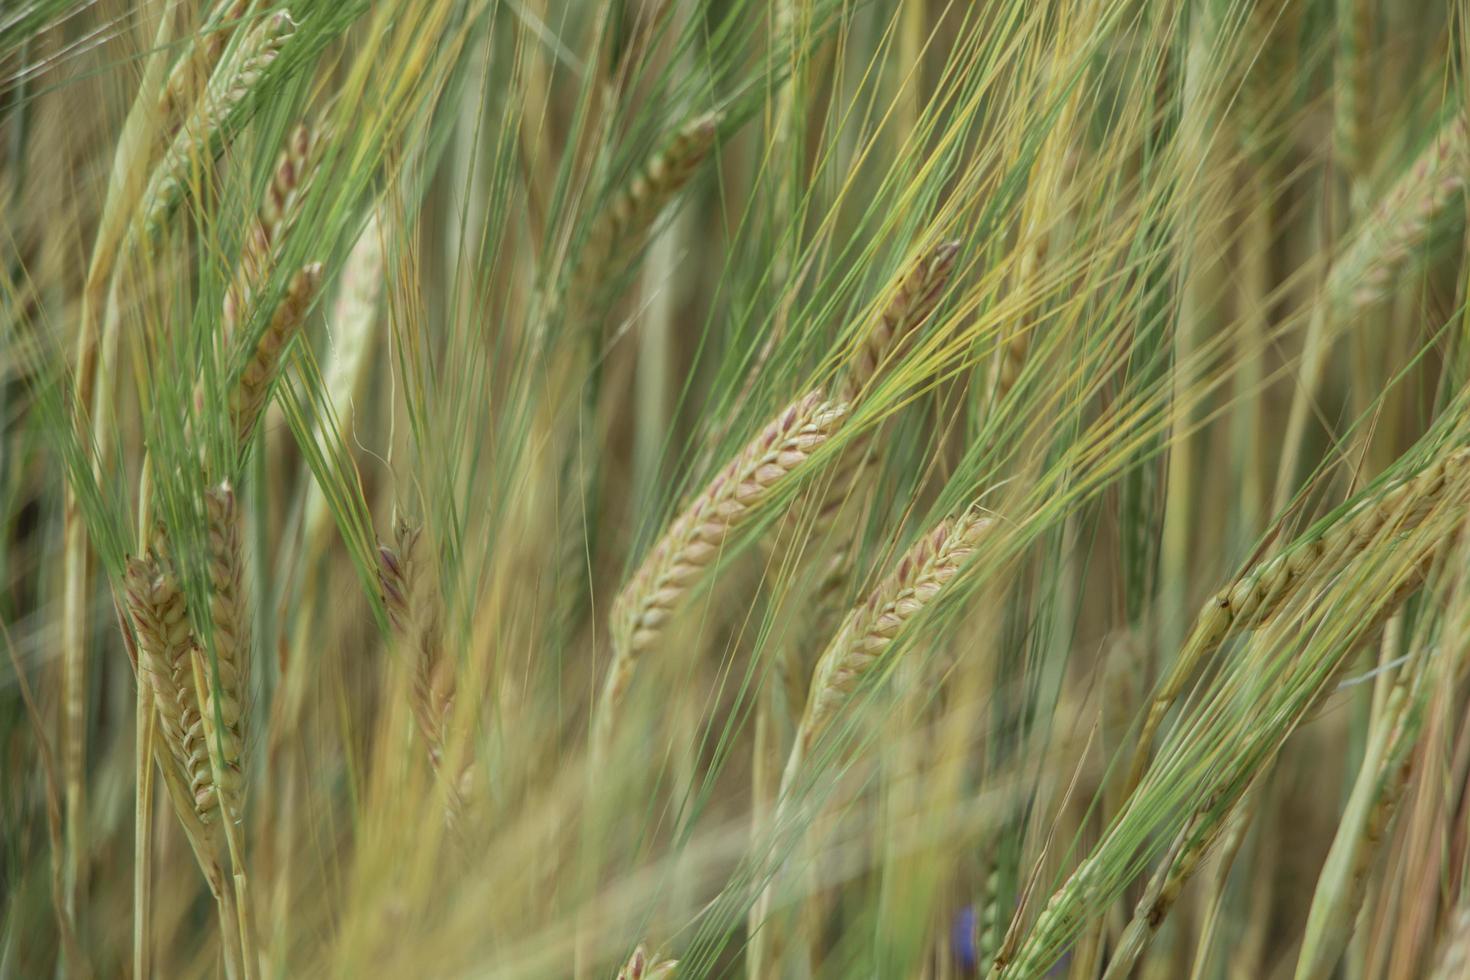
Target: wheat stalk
pixel 691 545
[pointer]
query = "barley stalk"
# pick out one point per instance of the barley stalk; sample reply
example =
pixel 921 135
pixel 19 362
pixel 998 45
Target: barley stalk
pixel 202 136
pixel 691 545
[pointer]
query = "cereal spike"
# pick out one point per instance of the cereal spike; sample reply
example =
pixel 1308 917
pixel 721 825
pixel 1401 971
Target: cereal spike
pixel 203 135
pixel 640 967
pixel 912 302
pixel 1384 244
pixel 691 545
pixel 261 249
pixel 635 207
pixel 248 399
pixel 231 636
pixel 1260 592
pixel 869 631
pixel 191 72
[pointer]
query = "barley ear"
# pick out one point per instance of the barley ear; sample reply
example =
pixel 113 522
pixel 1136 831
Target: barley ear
pixel 692 543
pixel 634 208
pixel 913 300
pixel 248 398
pixel 641 967
pixel 225 696
pixel 203 135
pixel 870 630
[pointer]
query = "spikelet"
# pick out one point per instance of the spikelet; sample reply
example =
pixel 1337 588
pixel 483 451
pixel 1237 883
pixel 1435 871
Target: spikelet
pixel 869 631
pixel 225 697
pixel 691 545
pixel 640 967
pixel 912 302
pixel 1401 223
pixel 635 207
pixel 202 137
pixel 247 400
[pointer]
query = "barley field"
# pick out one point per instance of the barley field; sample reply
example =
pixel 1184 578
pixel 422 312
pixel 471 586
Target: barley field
pixel 913 489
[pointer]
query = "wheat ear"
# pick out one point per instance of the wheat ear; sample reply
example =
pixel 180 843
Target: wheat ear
pixel 1260 592
pixel 202 136
pixel 247 400
pixel 641 967
pixel 691 545
pixel 913 300
pixel 1372 260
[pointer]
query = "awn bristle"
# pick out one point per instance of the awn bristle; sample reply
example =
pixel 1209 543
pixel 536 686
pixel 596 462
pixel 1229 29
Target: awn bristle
pixel 691 545
pixel 247 401
pixel 202 137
